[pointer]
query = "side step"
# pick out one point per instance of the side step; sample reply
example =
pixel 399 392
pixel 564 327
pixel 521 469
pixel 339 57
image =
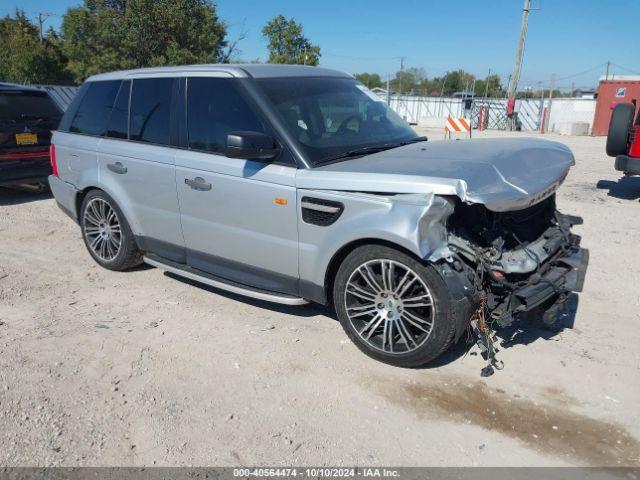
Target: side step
pixel 213 281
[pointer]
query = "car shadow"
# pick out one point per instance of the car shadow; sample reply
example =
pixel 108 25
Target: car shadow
pixel 308 310
pixel 455 352
pixel 10 196
pixel 521 332
pixel 626 188
pixel 524 332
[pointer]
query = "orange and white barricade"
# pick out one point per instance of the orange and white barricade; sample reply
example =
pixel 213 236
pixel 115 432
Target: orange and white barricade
pixel 456 125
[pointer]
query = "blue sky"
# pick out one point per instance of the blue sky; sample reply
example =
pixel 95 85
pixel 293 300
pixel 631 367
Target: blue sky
pixel 573 39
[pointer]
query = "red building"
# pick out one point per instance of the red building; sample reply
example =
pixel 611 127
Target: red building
pixel 617 89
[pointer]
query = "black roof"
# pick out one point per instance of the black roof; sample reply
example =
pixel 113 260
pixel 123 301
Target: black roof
pixel 60 94
pixel 15 86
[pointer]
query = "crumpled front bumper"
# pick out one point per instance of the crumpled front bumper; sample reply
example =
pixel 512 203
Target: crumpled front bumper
pixel 547 287
pixel 566 275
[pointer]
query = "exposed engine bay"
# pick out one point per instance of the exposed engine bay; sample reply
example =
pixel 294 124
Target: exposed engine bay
pixel 519 261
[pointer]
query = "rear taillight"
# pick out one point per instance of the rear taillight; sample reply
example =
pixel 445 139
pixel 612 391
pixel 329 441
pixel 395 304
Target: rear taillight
pixel 634 150
pixel 52 158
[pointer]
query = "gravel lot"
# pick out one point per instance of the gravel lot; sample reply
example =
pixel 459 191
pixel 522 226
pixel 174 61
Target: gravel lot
pixel 141 368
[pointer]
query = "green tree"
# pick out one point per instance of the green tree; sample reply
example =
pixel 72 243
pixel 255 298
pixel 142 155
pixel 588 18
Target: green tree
pixel 370 80
pixel 287 44
pixel 407 81
pixel 491 85
pixel 105 35
pixel 457 81
pixel 26 59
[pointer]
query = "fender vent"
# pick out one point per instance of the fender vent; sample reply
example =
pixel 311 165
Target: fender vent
pixel 318 211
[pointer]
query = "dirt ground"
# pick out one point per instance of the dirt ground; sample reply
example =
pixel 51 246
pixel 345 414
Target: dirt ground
pixel 141 368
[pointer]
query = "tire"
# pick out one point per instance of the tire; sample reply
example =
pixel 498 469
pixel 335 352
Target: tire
pixel 619 129
pixel 399 331
pixel 106 233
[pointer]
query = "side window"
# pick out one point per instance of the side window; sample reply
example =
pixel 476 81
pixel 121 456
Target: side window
pixel 214 109
pixel 150 116
pixel 119 122
pixel 95 108
pixel 70 113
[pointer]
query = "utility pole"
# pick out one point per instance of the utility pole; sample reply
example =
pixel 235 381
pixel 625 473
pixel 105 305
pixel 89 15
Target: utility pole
pixel 444 83
pixel 401 76
pixel 551 88
pixel 541 108
pixel 486 84
pixel 606 76
pixel 42 17
pixel 513 84
pixel 388 89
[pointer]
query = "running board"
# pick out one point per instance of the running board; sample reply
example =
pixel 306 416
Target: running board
pixel 222 285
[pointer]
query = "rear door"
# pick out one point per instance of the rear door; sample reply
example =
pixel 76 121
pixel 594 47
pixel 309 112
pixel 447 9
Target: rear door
pixel 80 132
pixel 137 163
pixel 238 216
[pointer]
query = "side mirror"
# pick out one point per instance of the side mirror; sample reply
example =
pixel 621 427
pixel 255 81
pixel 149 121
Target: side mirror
pixel 251 146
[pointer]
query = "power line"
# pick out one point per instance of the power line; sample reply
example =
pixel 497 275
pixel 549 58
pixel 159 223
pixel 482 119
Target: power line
pixel 324 54
pixel 583 72
pixel 625 69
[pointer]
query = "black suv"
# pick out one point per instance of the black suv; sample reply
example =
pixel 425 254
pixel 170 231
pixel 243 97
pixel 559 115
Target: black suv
pixel 27 117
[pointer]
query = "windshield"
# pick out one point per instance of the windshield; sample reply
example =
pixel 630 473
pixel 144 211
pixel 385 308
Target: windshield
pixel 335 117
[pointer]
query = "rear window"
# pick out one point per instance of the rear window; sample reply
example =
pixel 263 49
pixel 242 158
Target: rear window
pixel 95 109
pixel 119 122
pixel 21 107
pixel 150 112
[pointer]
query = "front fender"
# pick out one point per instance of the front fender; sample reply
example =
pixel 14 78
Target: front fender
pixel 416 223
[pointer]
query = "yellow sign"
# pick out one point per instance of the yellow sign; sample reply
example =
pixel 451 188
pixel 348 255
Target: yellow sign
pixel 26 138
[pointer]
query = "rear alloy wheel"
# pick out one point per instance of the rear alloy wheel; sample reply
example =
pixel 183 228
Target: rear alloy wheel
pixel 106 233
pixel 102 229
pixel 392 306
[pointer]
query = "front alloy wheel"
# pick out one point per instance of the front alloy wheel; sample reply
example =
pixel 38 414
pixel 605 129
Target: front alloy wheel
pixel 394 307
pixel 389 306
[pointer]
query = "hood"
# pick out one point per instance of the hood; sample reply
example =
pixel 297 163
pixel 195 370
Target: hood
pixel 503 173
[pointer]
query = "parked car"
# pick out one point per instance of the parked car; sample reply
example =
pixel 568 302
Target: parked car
pixel 296 184
pixel 27 117
pixel 623 139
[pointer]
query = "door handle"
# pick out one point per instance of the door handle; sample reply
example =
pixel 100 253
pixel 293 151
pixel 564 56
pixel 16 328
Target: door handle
pixel 117 167
pixel 198 183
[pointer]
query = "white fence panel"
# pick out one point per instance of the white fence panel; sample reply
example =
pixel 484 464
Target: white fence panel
pixel 571 110
pixel 433 111
pixel 418 109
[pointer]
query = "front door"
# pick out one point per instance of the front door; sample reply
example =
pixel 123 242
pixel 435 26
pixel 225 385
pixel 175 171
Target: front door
pixel 238 216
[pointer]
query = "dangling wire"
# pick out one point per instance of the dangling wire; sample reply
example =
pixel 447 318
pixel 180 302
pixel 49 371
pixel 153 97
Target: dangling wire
pixel 486 336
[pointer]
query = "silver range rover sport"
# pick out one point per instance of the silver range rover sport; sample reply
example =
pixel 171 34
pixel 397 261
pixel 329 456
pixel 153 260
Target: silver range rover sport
pixel 296 184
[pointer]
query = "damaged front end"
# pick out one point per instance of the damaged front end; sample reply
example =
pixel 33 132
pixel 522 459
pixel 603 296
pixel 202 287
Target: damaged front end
pixel 519 262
